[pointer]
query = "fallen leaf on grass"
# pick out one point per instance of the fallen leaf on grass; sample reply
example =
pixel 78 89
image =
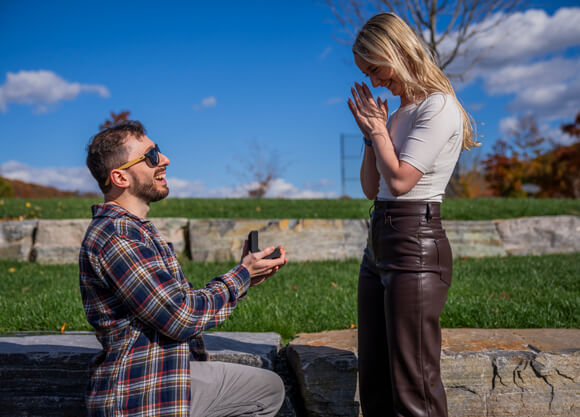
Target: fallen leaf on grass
pixel 63 327
pixel 334 284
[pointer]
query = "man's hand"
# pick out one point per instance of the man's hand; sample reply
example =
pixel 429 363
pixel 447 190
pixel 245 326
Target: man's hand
pixel 260 269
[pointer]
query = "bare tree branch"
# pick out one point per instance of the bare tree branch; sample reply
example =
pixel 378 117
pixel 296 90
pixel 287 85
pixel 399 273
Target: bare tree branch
pixel 261 166
pixel 464 21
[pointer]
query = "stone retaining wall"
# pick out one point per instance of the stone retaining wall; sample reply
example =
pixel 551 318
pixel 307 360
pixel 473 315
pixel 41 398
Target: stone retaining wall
pixel 486 373
pixel 58 241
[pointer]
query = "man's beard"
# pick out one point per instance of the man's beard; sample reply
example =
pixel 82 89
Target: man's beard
pixel 150 192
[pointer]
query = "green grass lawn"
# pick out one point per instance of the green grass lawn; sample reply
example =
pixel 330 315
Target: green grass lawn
pixel 511 292
pixel 460 209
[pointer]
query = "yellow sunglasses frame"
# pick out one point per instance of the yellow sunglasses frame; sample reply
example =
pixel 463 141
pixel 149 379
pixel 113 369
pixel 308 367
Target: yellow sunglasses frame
pixel 131 163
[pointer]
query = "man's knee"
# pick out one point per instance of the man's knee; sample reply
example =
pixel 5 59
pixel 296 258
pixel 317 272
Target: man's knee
pixel 267 390
pixel 273 387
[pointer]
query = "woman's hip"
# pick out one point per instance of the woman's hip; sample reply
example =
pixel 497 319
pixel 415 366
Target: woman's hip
pixel 408 236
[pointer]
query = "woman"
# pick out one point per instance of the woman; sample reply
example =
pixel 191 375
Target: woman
pixel 406 269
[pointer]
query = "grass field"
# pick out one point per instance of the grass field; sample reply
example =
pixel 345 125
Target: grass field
pixel 512 292
pixel 460 209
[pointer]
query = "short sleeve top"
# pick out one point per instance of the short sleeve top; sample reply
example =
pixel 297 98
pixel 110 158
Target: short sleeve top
pixel 429 136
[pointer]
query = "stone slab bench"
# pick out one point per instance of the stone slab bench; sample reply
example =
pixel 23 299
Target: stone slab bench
pixel 492 373
pixel 46 375
pixel 58 241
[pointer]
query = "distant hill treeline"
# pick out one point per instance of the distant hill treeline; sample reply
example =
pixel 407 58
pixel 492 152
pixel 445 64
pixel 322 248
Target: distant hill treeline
pixel 21 189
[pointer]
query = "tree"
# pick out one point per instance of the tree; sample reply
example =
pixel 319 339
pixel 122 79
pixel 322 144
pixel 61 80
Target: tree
pixel 561 175
pixel 461 22
pixel 573 129
pixel 261 167
pixel 6 189
pixel 524 158
pixel 470 180
pixel 115 118
pixel 514 160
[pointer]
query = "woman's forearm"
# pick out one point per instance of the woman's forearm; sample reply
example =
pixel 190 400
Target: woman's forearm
pixel 399 177
pixel 369 176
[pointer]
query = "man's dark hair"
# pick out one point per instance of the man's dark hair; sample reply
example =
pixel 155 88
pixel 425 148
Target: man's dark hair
pixel 106 150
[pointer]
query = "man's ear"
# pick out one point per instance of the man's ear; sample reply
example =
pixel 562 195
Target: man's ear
pixel 120 178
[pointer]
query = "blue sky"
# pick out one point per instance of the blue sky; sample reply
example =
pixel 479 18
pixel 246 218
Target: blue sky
pixel 214 83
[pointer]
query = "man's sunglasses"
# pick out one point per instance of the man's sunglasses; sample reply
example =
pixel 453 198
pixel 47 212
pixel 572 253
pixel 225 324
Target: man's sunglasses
pixel 151 155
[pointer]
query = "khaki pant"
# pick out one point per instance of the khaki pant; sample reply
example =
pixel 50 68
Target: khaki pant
pixel 220 389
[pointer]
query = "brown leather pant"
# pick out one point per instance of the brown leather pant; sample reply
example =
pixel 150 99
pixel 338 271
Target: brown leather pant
pixel 403 283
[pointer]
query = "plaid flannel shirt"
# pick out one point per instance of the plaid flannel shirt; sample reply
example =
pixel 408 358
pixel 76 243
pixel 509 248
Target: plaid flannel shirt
pixel 148 317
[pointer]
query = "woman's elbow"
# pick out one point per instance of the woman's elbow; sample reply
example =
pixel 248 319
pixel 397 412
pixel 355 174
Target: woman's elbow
pixel 370 193
pixel 398 187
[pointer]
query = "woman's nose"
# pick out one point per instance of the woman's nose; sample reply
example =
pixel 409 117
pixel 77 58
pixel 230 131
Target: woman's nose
pixel 374 81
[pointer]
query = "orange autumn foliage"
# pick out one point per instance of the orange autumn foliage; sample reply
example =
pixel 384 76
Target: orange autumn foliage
pixel 525 160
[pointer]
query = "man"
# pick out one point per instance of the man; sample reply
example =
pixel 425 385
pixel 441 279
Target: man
pixel 148 317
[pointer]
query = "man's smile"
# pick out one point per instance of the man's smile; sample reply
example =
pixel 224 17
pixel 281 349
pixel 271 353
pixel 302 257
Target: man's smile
pixel 161 177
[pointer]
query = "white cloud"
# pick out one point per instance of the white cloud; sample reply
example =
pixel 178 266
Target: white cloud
pixel 279 188
pixel 519 37
pixel 41 88
pixel 555 134
pixel 80 179
pixel 206 103
pixel 507 125
pixel 524 55
pixel 183 188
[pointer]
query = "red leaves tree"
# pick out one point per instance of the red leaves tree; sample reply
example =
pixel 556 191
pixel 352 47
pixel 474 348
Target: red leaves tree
pixel 525 159
pixel 115 118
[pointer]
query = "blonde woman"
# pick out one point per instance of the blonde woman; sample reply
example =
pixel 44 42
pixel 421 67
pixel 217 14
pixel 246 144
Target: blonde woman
pixel 406 268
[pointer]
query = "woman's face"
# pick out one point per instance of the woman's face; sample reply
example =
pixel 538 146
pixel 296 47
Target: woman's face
pixel 380 76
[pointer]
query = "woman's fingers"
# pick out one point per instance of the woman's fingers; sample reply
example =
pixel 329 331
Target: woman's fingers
pixel 356 97
pixel 368 93
pixel 353 108
pixel 380 105
pixel 383 107
pixel 364 97
pixel 368 112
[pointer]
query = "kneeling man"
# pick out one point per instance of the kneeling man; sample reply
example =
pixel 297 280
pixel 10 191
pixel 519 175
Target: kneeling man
pixel 147 316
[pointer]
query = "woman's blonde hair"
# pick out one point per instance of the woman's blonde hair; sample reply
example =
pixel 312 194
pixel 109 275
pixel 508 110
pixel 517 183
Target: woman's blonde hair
pixel 386 40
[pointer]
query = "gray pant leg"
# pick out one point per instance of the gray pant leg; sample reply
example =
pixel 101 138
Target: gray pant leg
pixel 220 389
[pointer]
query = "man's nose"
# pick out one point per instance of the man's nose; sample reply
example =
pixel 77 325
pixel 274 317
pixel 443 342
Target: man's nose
pixel 163 160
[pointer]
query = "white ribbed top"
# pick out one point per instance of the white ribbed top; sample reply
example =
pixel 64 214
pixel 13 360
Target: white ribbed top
pixel 429 136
